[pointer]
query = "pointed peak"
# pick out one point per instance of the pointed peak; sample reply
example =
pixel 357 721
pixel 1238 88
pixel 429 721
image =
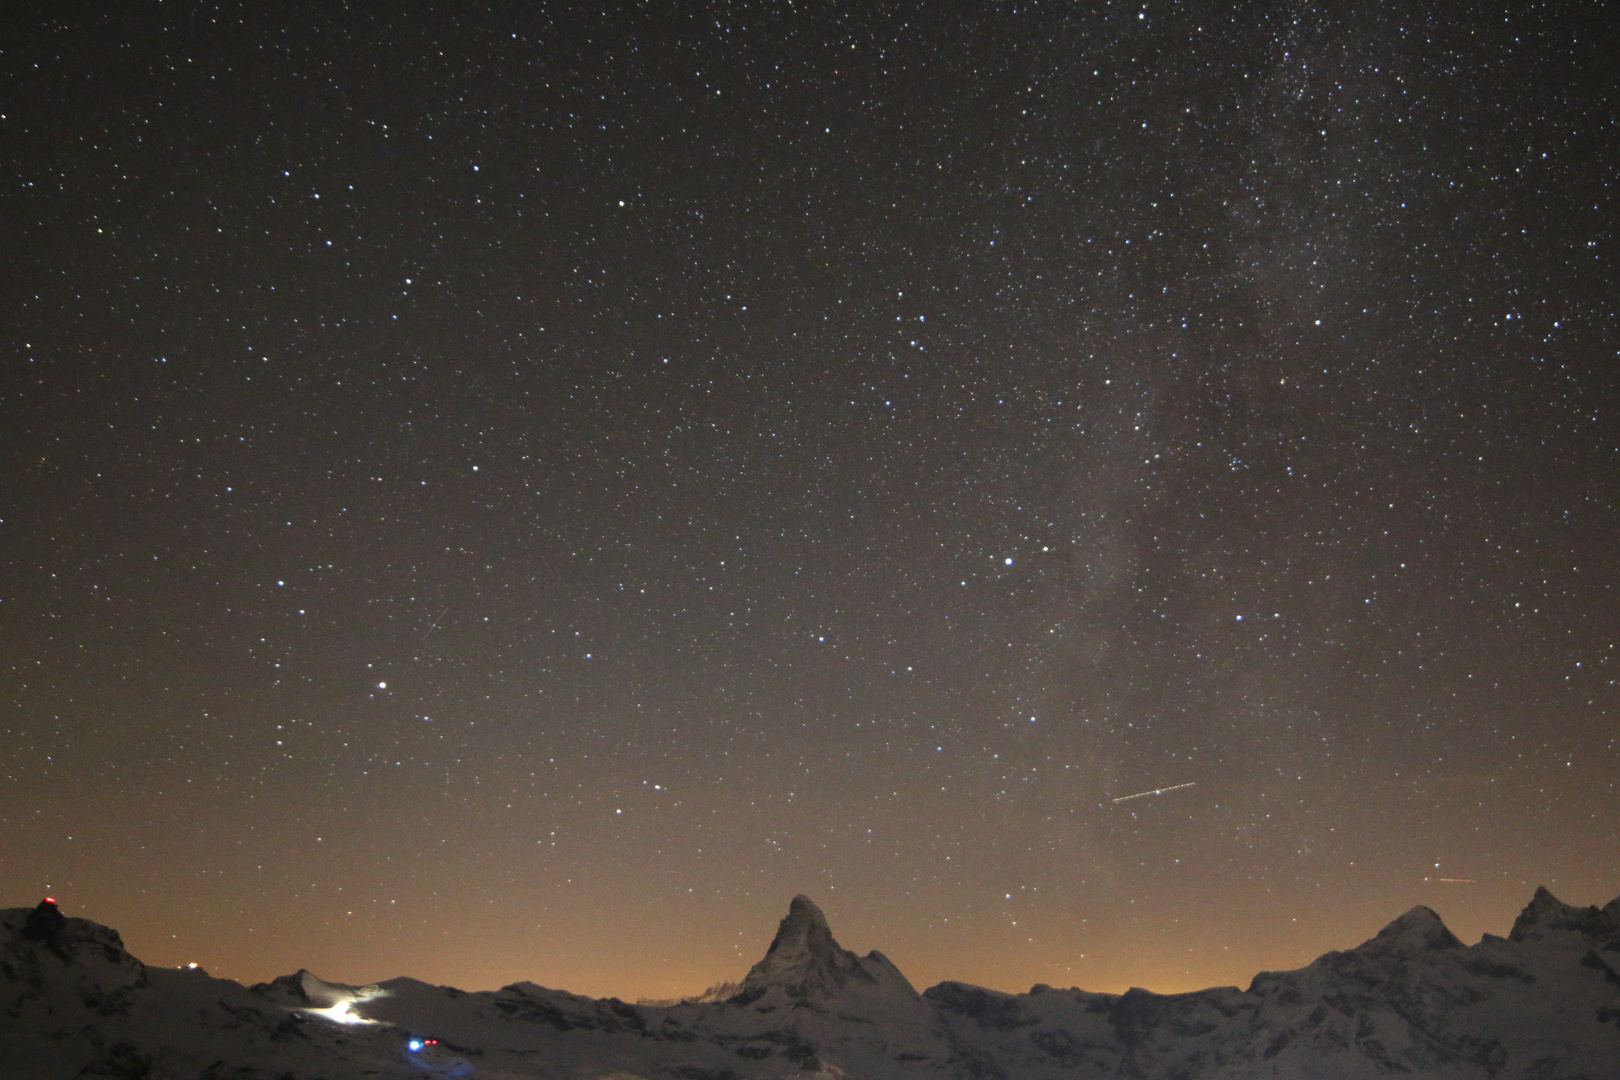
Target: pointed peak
pixel 1418 930
pixel 804 930
pixel 45 922
pixel 1545 898
pixel 1545 913
pixel 804 960
pixel 303 988
pixel 803 910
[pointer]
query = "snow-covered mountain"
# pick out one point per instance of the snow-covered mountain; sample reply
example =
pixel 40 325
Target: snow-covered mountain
pixel 1414 1001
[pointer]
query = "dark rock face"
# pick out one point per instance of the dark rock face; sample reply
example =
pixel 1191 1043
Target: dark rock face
pixel 1546 913
pixel 803 959
pixel 45 923
pixel 73 942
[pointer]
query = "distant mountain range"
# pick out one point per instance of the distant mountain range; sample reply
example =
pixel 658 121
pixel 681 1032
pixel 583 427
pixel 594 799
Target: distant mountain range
pixel 1413 1002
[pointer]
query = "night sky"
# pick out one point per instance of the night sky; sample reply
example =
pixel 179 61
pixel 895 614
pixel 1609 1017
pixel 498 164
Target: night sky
pixel 521 493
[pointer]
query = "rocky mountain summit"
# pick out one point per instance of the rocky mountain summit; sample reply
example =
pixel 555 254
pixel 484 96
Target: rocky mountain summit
pixel 1413 1001
pixel 805 965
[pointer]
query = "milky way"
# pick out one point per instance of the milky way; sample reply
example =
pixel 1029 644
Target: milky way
pixel 497 493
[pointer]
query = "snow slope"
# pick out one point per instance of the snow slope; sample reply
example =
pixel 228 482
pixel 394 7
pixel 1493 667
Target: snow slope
pixel 1413 1001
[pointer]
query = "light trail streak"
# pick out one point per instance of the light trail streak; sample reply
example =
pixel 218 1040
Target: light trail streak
pixel 1156 791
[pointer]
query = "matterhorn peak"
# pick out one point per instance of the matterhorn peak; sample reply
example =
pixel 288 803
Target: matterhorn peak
pixel 805 961
pixel 804 917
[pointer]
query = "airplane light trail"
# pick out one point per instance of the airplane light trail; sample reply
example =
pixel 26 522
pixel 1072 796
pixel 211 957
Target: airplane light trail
pixel 1155 791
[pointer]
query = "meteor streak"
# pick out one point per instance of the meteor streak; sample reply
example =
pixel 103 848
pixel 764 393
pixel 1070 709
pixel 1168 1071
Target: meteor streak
pixel 1156 791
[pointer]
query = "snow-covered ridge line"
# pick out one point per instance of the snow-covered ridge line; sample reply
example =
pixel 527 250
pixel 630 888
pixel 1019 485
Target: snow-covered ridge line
pixel 1543 1002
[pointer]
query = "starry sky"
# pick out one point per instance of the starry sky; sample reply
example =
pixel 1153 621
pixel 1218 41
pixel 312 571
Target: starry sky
pixel 520 492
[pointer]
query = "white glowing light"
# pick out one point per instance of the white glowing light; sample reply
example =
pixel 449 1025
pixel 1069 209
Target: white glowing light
pixel 340 1014
pixel 341 1011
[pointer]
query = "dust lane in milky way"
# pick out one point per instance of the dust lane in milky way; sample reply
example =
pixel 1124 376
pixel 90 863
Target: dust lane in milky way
pixel 1100 498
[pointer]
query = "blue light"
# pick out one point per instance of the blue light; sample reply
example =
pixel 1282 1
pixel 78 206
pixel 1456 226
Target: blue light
pixel 414 1045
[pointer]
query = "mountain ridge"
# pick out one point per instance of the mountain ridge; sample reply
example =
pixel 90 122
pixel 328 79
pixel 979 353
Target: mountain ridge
pixel 1542 1002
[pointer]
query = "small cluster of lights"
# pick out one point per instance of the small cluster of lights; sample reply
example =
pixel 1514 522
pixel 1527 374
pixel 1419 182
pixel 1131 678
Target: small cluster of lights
pixel 415 1045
